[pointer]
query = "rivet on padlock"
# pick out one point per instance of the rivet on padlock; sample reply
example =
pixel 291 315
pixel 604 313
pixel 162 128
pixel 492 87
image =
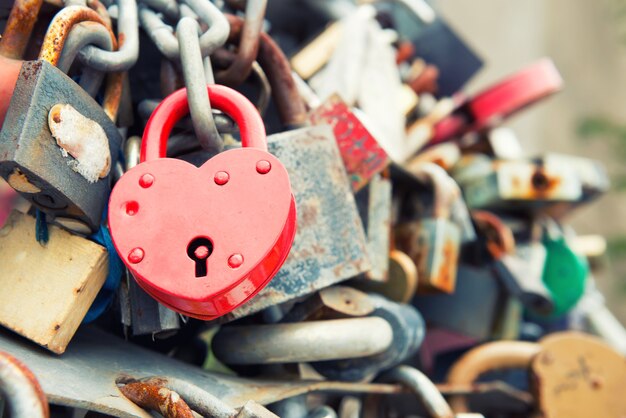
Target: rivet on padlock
pixel 230 239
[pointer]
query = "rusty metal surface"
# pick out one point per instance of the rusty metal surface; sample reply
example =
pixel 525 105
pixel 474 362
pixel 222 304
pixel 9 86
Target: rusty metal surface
pixel 54 41
pixel 331 303
pixel 248 47
pixel 330 244
pixel 158 398
pixel 60 28
pixel 26 144
pixel 516 182
pixel 20 389
pixel 86 375
pixel 285 93
pixel 489 357
pixel 19 27
pixel 362 155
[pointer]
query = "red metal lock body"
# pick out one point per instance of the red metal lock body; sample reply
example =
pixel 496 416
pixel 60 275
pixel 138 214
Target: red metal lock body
pixel 204 240
pixel 501 100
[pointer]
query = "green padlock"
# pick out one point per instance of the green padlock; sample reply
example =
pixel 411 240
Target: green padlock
pixel 564 274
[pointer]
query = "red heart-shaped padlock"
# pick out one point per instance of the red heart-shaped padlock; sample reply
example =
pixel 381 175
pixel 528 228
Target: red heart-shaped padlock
pixel 204 240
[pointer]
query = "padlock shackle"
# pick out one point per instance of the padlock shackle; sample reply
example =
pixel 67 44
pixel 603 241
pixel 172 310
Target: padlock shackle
pixel 489 357
pixel 175 106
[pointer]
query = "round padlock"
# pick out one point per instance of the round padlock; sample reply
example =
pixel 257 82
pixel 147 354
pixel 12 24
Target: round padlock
pixel 204 240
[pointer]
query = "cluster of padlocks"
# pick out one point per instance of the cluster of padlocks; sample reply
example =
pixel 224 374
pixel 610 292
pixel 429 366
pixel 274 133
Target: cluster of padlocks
pixel 387 249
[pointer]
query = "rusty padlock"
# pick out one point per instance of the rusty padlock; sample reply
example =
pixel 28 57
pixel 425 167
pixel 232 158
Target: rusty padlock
pixel 209 264
pixel 326 206
pixel 58 145
pixel 434 240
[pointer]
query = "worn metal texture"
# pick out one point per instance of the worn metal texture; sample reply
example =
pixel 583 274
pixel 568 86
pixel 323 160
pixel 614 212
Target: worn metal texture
pixel 302 341
pixel 54 41
pixel 330 244
pixel 157 398
pixel 85 376
pixel 471 309
pixel 27 148
pixel 433 244
pixel 362 155
pixel 523 185
pixel 19 27
pixel 20 390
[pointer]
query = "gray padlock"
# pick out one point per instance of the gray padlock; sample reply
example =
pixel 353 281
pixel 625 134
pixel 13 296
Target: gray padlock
pixel 74 190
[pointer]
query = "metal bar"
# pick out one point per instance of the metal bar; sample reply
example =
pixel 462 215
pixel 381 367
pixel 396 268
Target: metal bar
pixel 303 342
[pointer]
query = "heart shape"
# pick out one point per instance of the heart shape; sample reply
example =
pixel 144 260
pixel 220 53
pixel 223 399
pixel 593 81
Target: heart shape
pixel 159 207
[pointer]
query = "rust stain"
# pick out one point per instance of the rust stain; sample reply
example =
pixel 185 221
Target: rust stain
pixel 446 276
pixel 19 27
pixel 291 107
pixel 8 361
pixel 158 398
pixel 19 181
pixel 61 26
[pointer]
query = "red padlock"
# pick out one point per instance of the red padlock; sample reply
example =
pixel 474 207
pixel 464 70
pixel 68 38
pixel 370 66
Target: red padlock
pixel 496 103
pixel 204 240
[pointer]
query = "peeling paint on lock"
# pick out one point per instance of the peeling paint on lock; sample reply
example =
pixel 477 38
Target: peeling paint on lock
pixel 83 139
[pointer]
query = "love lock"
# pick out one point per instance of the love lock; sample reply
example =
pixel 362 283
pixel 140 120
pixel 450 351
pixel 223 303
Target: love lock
pixel 238 223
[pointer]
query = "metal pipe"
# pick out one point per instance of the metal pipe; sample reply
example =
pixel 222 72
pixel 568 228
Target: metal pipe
pixel 21 390
pixel 303 342
pixel 486 357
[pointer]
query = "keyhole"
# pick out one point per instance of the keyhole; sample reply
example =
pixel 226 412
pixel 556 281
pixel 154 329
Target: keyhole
pixel 199 250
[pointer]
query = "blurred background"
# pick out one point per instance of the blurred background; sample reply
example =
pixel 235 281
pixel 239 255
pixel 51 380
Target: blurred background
pixel 587 42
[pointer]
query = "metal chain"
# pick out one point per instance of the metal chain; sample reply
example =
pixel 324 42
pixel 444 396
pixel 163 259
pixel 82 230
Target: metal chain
pixel 196 80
